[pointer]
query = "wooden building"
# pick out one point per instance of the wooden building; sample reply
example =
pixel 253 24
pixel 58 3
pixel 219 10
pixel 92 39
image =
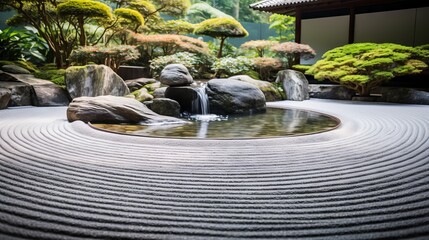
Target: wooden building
pixel 326 24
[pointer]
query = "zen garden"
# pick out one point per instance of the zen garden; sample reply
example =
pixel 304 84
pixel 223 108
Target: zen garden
pixel 213 119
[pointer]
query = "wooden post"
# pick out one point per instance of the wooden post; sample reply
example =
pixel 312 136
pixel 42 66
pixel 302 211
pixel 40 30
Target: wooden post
pixel 297 34
pixel 352 21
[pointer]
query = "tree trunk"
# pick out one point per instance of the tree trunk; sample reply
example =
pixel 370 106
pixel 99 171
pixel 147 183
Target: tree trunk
pixel 222 40
pixel 364 91
pixel 82 39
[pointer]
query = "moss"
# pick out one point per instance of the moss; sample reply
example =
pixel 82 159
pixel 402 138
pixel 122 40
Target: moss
pixel 24 64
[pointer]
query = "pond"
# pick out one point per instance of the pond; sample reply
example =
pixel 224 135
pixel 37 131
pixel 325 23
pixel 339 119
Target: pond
pixel 274 123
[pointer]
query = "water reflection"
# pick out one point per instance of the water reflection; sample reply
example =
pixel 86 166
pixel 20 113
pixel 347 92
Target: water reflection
pixel 273 123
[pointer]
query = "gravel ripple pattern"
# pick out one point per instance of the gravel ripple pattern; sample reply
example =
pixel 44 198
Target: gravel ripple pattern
pixel 368 179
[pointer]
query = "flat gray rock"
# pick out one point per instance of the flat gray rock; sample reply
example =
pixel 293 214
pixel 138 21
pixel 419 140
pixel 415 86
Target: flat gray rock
pixel 175 75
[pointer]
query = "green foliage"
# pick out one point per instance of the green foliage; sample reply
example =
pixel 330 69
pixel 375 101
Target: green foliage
pixel 54 75
pixel 228 66
pixel 113 56
pixel 175 27
pixel 365 66
pixel 221 28
pixel 24 64
pixel 196 64
pixel 301 68
pixel 24 45
pixel 152 46
pixel 176 8
pixel 130 17
pixel 291 50
pixel 284 26
pixel 199 12
pixel 85 8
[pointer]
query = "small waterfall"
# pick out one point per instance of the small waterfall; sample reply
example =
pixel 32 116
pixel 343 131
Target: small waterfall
pixel 201 104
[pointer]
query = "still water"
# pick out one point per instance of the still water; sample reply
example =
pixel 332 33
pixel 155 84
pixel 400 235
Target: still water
pixel 274 123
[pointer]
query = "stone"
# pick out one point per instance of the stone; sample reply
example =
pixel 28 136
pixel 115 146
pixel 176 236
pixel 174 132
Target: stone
pixel 50 95
pixel 7 77
pixel 5 96
pixel 138 83
pixel 270 91
pixel 21 93
pixel 330 91
pixel 228 96
pixel 166 106
pixel 152 86
pixel 113 109
pixel 142 95
pixel 184 95
pixel 294 83
pixel 176 75
pixel 404 95
pixel 94 80
pixel 133 72
pixel 15 69
pixel 159 92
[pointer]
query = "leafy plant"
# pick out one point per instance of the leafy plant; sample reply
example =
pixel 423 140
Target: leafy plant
pixel 365 66
pixel 221 28
pixel 284 26
pixel 199 12
pixel 24 45
pixel 192 61
pixel 113 56
pixel 228 66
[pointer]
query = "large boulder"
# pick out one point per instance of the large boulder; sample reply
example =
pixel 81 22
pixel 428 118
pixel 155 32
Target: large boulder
pixel 21 93
pixel 228 96
pixel 404 95
pixel 295 84
pixel 94 80
pixel 159 92
pixel 270 91
pixel 176 75
pixel 5 96
pixel 113 109
pixel 186 96
pixel 50 95
pixel 330 91
pixel 166 106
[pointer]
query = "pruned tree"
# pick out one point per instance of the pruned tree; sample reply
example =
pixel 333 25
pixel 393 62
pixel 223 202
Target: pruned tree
pixel 221 28
pixel 175 27
pixel 365 66
pixel 293 51
pixel 129 18
pixel 259 46
pixel 79 12
pixel 284 26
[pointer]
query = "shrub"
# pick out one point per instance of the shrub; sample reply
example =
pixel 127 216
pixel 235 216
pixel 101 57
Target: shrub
pixel 228 66
pixel 110 56
pixel 259 46
pixel 175 27
pixel 267 67
pixel 291 51
pixel 365 66
pixel 152 46
pixel 301 68
pixel 221 28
